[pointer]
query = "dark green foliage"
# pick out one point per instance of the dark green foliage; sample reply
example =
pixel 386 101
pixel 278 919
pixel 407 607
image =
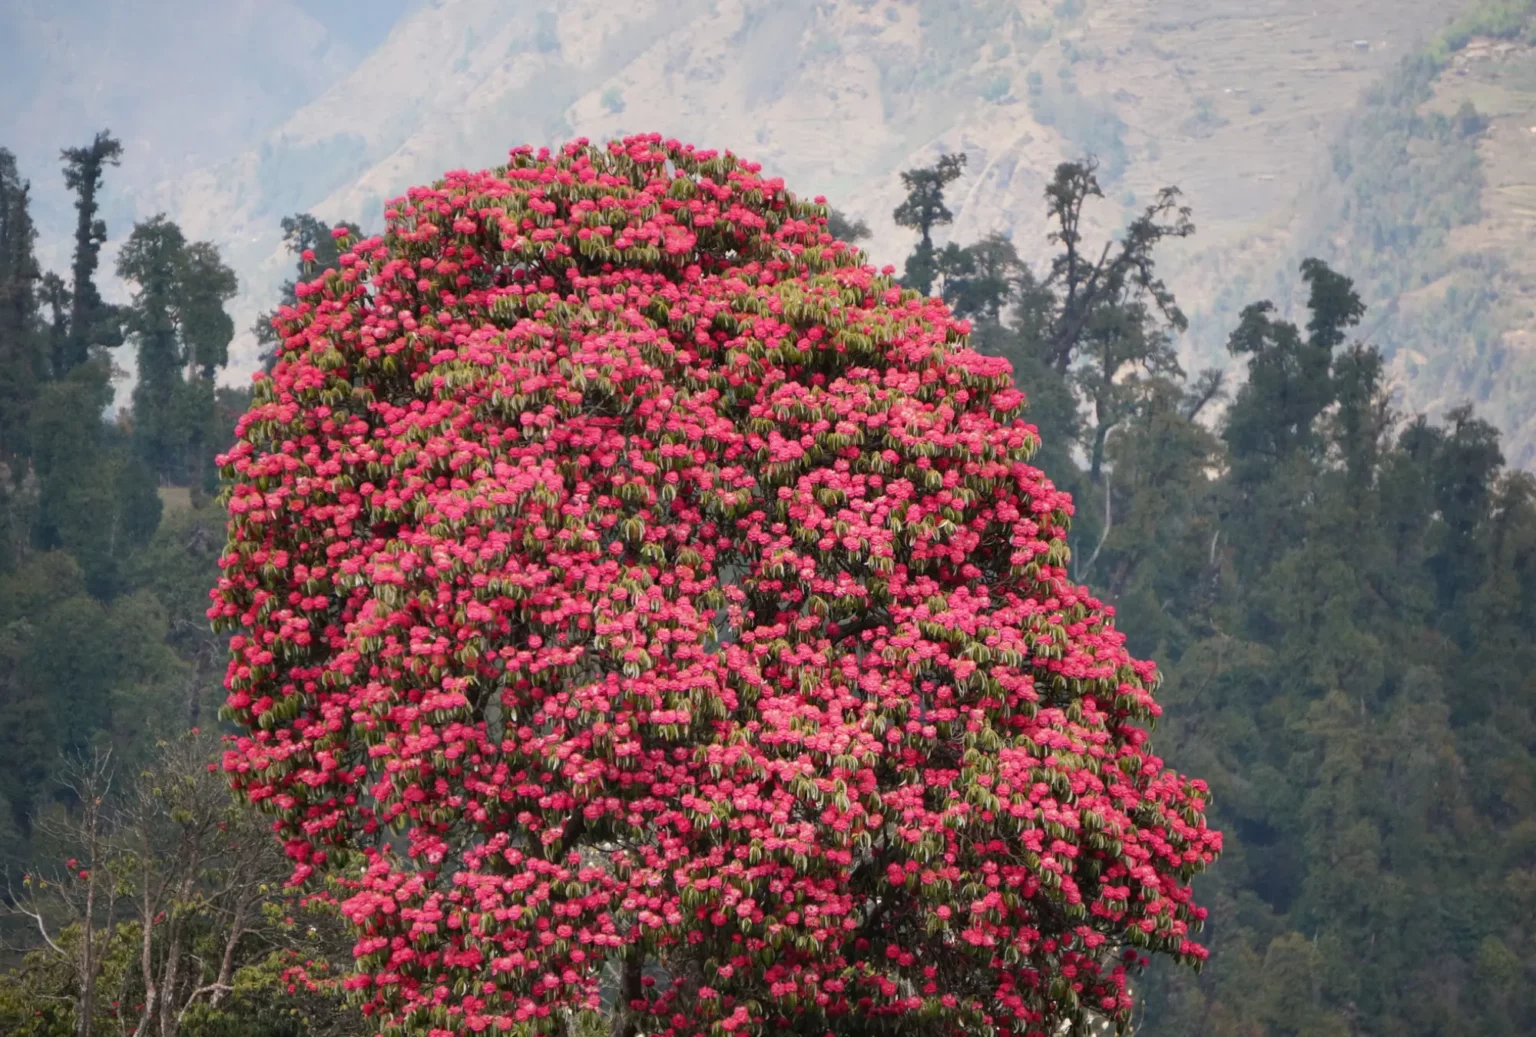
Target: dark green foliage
pixel 844 229
pixel 97 499
pixel 205 285
pixel 149 259
pixel 1290 380
pixel 1343 602
pixel 92 322
pixel 922 210
pixel 1358 676
pixel 1096 327
pixel 183 333
pixel 102 637
pixel 23 365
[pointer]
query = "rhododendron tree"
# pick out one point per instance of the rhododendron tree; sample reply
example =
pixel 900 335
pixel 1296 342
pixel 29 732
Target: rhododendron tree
pixel 643 604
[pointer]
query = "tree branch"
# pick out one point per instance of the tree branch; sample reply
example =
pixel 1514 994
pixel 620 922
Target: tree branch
pixel 210 988
pixel 42 928
pixel 870 621
pixel 1109 523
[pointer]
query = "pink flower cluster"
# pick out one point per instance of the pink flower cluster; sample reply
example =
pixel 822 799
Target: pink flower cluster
pixel 627 576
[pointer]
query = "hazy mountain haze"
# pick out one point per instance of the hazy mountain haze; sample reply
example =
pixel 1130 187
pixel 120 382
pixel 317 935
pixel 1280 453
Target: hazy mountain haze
pixel 332 108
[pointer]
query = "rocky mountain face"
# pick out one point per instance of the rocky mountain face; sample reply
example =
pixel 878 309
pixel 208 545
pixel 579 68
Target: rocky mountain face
pixel 1282 121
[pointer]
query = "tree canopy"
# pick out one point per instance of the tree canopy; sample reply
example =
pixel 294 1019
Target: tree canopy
pixel 681 590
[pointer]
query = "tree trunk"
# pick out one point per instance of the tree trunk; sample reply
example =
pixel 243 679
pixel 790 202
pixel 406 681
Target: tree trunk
pixel 146 958
pixel 88 937
pixel 227 966
pixel 630 989
pixel 1096 469
pixel 176 921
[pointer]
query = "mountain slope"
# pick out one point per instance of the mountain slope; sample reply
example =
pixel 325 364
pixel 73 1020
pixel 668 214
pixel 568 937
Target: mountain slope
pixel 1241 109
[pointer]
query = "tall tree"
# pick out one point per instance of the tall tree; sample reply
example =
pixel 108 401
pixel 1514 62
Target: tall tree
pixel 152 259
pixel 982 280
pixel 22 364
pixel 178 321
pixel 23 361
pixel 1290 376
pixel 92 322
pixel 1272 430
pixel 58 302
pixel 205 285
pixel 811 779
pixel 922 210
pixel 1123 272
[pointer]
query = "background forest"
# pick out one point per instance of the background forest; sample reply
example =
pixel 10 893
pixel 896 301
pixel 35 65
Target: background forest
pixel 1341 594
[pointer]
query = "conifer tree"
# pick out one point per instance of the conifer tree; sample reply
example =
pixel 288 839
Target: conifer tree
pixel 151 259
pixel 92 321
pixel 922 210
pixel 21 366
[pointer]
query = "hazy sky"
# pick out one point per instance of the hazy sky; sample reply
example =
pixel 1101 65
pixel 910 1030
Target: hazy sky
pixel 180 82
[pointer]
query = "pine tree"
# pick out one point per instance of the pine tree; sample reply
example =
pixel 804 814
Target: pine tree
pixel 151 259
pixel 92 322
pixel 922 210
pixel 22 365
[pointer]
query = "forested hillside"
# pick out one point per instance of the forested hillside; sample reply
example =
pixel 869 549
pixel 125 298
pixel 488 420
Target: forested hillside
pixel 106 499
pixel 1341 595
pixel 134 889
pixel 1342 598
pixel 1340 590
pixel 1302 130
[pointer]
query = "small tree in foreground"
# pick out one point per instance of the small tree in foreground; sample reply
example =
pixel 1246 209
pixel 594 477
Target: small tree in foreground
pixel 647 608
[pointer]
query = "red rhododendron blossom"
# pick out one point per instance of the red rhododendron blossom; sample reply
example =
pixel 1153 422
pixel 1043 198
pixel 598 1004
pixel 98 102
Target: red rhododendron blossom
pixel 631 582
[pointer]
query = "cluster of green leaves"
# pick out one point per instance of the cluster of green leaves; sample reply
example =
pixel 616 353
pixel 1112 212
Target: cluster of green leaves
pixel 1343 600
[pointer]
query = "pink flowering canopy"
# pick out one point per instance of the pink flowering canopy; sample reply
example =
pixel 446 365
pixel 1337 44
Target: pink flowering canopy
pixel 642 602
